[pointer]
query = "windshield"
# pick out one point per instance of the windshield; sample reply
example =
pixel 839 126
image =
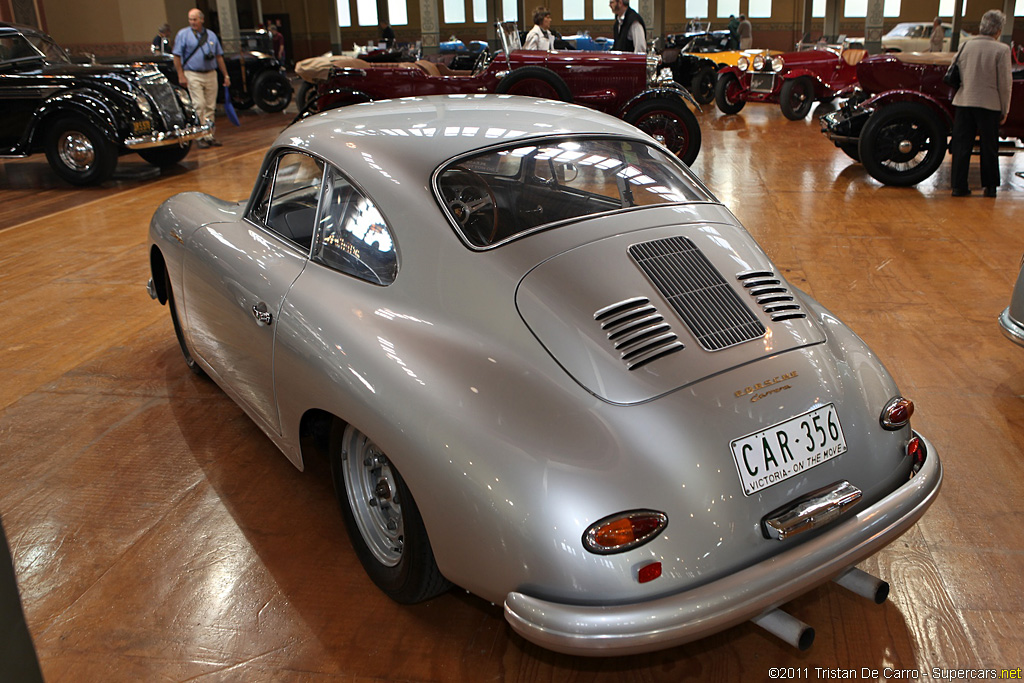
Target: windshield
pixel 509 192
pixel 51 50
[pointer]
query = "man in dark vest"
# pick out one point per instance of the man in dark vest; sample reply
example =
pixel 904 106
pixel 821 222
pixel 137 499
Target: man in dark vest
pixel 629 30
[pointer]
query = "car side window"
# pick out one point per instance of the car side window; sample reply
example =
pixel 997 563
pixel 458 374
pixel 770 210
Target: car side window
pixel 288 202
pixel 354 238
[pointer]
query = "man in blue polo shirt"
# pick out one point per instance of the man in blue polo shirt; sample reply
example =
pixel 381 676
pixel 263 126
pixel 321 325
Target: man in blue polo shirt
pixel 197 56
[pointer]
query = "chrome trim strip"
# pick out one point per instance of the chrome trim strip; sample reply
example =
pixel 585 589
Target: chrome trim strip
pixel 697 613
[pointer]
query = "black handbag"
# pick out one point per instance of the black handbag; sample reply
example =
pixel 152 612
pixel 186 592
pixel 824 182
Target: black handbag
pixel 952 75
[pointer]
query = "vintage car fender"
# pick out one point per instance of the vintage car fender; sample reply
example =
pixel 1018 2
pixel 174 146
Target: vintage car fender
pixel 92 106
pixel 668 90
pixel 892 96
pixel 800 73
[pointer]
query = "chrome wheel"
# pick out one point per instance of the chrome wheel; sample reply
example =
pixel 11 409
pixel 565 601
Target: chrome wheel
pixel 76 151
pixel 373 497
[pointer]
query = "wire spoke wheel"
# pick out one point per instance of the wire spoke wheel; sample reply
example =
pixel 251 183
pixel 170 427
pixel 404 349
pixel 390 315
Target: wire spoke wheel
pixel 903 143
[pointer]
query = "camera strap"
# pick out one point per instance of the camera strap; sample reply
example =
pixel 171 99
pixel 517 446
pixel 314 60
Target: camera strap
pixel 200 40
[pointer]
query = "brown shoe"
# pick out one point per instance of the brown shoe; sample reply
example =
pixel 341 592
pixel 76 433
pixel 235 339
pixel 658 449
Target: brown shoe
pixel 202 143
pixel 214 142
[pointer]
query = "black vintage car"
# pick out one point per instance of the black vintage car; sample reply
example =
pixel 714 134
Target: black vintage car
pixel 84 116
pixel 696 74
pixel 256 79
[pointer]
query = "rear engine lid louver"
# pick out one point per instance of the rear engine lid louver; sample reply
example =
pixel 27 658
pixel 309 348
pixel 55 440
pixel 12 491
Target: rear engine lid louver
pixel 771 294
pixel 612 312
pixel 712 310
pixel 637 331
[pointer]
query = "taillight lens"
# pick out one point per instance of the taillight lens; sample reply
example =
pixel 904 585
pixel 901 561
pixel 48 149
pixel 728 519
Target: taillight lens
pixel 897 413
pixel 618 533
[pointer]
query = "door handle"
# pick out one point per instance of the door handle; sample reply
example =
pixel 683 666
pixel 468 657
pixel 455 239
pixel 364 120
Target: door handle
pixel 262 315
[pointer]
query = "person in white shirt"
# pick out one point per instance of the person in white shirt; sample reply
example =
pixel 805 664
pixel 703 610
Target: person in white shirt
pixel 629 31
pixel 540 36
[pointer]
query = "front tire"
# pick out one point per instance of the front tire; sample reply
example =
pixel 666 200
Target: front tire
pixel 796 98
pixel 78 151
pixel 903 143
pixel 190 362
pixel 729 93
pixel 670 122
pixel 167 156
pixel 272 91
pixel 383 522
pixel 535 81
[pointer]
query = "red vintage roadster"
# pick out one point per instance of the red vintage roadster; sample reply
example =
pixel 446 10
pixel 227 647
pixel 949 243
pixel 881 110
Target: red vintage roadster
pixel 899 121
pixel 796 80
pixel 630 86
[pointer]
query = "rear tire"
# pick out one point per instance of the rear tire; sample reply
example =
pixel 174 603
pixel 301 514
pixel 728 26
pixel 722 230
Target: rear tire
pixel 167 156
pixel 383 522
pixel 703 86
pixel 728 94
pixel 671 122
pixel 535 81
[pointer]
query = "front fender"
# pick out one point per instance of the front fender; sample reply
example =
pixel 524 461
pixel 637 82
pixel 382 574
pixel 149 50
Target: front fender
pixel 94 107
pixel 940 107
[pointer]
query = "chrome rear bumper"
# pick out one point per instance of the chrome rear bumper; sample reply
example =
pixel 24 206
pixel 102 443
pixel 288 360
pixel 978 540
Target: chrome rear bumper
pixel 694 614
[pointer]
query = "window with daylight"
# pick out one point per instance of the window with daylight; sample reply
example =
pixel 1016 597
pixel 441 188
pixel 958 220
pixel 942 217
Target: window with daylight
pixel 398 12
pixel 727 7
pixel 454 12
pixel 573 10
pixel 366 10
pixel 602 12
pixel 344 14
pixel 760 9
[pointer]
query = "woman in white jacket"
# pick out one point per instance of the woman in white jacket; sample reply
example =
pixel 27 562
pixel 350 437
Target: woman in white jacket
pixel 540 36
pixel 982 103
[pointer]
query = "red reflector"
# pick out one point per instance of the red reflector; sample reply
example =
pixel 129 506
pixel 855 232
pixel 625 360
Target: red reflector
pixel 649 572
pixel 917 452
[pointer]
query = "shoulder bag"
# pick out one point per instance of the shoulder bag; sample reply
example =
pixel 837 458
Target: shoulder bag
pixel 952 75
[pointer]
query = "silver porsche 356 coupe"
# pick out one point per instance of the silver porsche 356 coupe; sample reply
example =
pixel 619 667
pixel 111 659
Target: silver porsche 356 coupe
pixel 549 367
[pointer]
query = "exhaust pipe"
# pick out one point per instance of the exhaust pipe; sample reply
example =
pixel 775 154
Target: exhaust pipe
pixel 786 627
pixel 864 585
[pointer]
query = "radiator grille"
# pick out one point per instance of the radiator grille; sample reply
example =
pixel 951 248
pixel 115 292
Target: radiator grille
pixel 161 94
pixel 712 310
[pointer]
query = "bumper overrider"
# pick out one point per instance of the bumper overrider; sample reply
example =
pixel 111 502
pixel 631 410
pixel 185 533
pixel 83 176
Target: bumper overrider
pixel 175 136
pixel 700 612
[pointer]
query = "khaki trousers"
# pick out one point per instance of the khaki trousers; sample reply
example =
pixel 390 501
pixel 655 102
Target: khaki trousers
pixel 202 88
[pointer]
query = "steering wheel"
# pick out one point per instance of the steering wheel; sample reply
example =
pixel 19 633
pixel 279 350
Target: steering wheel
pixel 469 198
pixel 481 63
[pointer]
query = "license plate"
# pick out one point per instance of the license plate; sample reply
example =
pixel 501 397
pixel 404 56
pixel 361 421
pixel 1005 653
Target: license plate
pixel 787 449
pixel 762 82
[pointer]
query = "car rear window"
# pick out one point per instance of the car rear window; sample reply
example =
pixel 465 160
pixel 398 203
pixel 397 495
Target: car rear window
pixel 505 193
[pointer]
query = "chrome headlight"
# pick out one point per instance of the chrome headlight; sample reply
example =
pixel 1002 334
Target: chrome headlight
pixel 758 62
pixel 652 69
pixel 777 63
pixel 743 63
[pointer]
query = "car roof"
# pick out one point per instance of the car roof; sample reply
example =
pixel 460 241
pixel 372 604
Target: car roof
pixel 412 136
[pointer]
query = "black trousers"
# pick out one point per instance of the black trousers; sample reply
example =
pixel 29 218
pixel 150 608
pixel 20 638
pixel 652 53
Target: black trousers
pixel 968 122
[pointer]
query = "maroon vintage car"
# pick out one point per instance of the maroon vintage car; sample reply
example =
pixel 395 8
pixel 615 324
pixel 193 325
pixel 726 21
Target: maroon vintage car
pixel 630 86
pixel 899 121
pixel 796 80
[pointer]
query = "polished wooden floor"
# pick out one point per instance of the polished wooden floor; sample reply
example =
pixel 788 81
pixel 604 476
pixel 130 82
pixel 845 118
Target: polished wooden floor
pixel 159 536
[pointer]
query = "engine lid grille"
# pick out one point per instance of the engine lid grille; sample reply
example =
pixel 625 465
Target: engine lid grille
pixel 637 331
pixel 711 309
pixel 771 295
